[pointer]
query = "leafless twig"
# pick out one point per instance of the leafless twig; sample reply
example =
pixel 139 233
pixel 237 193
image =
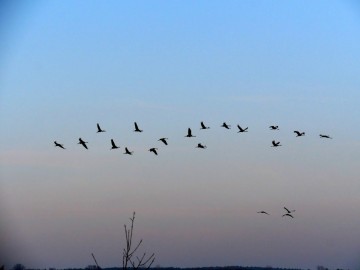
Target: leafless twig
pixel 128 251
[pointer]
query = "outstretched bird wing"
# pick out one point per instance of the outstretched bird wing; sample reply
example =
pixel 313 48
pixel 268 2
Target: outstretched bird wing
pixel 163 140
pixel 287 210
pixel 137 127
pixel 59 145
pixel 113 144
pixel 153 150
pixel 84 144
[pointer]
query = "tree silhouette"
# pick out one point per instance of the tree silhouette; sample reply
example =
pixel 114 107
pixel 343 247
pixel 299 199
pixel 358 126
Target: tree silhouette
pixel 18 266
pixel 129 252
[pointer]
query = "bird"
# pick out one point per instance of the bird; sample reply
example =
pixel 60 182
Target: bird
pixel 59 145
pixel 289 211
pixel 299 134
pixel 274 127
pixel 263 212
pixel 287 214
pixel 137 128
pixel 242 129
pixel 163 140
pixel 113 145
pixel 189 134
pixel 99 128
pixel 325 136
pixel 275 144
pixel 153 150
pixel 127 152
pixel 226 125
pixel 203 126
pixel 201 146
pixel 82 143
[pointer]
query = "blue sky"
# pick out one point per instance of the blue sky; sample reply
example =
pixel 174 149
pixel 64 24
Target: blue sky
pixel 168 65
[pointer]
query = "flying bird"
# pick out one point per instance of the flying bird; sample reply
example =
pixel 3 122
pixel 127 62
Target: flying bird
pixel 299 134
pixel 99 128
pixel 263 212
pixel 242 129
pixel 287 214
pixel 275 144
pixel 201 146
pixel 274 127
pixel 59 145
pixel 127 152
pixel 153 150
pixel 113 145
pixel 163 140
pixel 325 136
pixel 137 128
pixel 226 125
pixel 289 211
pixel 189 134
pixel 82 143
pixel 203 126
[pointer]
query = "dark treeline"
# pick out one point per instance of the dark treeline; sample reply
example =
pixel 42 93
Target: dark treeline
pixel 180 268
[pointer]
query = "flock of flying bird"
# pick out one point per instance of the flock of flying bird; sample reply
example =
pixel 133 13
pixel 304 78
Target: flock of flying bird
pixel 189 135
pixel 199 145
pixel 287 214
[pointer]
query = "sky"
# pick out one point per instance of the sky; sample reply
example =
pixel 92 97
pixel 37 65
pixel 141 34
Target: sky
pixel 168 65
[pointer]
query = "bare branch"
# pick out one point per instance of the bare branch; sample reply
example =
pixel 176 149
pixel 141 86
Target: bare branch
pixel 129 252
pixel 136 248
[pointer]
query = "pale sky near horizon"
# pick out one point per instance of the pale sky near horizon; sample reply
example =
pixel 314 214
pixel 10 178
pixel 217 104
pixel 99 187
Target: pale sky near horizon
pixel 67 65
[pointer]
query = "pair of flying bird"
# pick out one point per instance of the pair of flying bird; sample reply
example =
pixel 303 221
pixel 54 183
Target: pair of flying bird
pixel 81 141
pixel 287 214
pixel 137 129
pixel 298 133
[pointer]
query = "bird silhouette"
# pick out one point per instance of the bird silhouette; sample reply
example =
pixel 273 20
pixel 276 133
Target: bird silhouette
pixel 82 143
pixel 127 152
pixel 226 125
pixel 242 129
pixel 201 146
pixel 59 145
pixel 113 145
pixel 274 127
pixel 299 134
pixel 263 212
pixel 275 144
pixel 289 211
pixel 163 140
pixel 325 136
pixel 137 128
pixel 153 150
pixel 203 126
pixel 287 214
pixel 99 128
pixel 189 134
